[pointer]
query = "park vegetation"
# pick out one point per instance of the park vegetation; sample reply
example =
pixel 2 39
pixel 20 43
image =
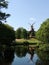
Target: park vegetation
pixel 21 33
pixel 7 33
pixel 43 32
pixel 43 35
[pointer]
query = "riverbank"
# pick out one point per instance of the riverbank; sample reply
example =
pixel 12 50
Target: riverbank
pixel 31 41
pixel 35 43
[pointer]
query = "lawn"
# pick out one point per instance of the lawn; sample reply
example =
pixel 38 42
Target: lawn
pixel 30 41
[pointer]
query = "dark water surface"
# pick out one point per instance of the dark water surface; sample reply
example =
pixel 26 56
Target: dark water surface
pixel 23 55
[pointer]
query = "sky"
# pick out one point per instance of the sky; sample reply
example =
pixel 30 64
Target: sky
pixel 26 12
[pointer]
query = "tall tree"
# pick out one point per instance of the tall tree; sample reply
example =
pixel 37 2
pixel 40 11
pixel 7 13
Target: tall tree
pixel 7 33
pixel 24 33
pixel 18 33
pixel 21 33
pixel 43 32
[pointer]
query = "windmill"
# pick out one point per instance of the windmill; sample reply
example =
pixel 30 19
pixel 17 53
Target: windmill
pixel 31 32
pixel 31 25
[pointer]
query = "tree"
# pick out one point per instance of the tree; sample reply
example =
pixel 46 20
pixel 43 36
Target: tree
pixel 7 33
pixel 3 16
pixel 43 32
pixel 21 33
pixel 18 33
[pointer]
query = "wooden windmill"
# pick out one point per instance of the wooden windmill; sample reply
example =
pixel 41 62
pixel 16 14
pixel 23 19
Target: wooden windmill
pixel 32 32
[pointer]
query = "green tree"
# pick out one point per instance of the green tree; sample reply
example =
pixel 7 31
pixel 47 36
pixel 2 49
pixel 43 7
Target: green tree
pixel 18 33
pixel 7 34
pixel 3 16
pixel 24 33
pixel 21 33
pixel 43 32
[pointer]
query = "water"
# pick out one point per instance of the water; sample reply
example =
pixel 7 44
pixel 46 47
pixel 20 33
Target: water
pixel 23 55
pixel 25 60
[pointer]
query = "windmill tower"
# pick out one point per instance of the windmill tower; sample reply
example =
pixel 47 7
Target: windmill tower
pixel 32 32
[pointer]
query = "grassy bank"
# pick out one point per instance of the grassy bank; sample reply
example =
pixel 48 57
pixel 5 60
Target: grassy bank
pixel 31 41
pixel 41 46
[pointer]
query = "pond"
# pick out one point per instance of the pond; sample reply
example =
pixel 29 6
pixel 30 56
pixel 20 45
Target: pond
pixel 23 55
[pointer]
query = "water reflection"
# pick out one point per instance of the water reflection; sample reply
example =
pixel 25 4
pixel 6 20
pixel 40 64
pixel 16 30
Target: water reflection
pixel 44 56
pixel 31 52
pixel 6 56
pixel 23 55
pixel 21 51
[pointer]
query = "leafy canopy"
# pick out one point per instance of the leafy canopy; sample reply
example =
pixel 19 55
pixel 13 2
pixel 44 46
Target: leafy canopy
pixel 43 32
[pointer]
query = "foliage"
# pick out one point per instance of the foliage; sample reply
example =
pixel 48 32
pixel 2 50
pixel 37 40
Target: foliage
pixel 21 33
pixel 44 58
pixel 24 33
pixel 43 47
pixel 7 34
pixel 18 33
pixel 3 4
pixel 3 16
pixel 43 33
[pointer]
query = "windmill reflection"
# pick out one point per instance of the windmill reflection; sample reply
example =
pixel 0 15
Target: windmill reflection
pixel 21 51
pixel 31 52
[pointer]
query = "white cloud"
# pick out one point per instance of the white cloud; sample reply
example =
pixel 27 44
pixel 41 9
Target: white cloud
pixel 32 19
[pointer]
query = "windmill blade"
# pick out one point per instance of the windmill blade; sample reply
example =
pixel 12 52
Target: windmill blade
pixel 29 23
pixel 33 23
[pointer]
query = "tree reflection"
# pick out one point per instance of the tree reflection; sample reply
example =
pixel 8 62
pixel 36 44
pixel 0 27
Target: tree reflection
pixel 44 56
pixel 21 51
pixel 6 56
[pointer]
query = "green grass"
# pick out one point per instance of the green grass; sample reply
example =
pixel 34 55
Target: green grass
pixel 33 40
pixel 35 43
pixel 20 40
pixel 30 41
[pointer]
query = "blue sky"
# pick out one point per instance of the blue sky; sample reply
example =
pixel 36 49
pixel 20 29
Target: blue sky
pixel 24 12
